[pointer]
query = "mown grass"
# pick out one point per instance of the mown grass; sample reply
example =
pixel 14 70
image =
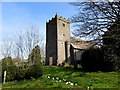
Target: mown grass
pixel 57 77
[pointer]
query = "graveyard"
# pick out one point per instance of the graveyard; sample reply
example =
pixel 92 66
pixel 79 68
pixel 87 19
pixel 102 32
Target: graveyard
pixel 79 51
pixel 67 77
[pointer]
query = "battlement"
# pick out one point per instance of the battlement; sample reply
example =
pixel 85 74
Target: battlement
pixel 57 17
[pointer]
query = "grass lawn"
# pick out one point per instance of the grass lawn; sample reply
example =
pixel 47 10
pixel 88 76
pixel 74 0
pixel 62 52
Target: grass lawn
pixel 61 77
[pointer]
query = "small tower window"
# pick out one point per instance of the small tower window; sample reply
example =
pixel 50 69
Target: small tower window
pixel 63 25
pixel 63 34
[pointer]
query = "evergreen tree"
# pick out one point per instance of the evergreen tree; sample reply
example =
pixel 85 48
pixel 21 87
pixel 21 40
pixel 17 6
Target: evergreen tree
pixel 35 56
pixel 111 42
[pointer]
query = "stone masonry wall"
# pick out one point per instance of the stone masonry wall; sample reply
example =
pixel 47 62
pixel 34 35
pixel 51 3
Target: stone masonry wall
pixel 57 33
pixel 63 32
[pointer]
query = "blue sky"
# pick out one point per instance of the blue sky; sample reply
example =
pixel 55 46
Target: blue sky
pixel 19 15
pixel 16 16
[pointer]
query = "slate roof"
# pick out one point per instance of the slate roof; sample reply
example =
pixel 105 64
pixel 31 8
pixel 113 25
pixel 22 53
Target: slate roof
pixel 80 44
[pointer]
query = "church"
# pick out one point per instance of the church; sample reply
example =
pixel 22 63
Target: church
pixel 60 46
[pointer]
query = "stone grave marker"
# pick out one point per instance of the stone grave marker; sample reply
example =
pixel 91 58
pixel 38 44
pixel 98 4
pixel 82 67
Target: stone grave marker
pixel 4 76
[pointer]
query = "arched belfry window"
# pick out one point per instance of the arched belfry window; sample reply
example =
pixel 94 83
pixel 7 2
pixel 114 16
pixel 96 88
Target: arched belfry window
pixel 63 25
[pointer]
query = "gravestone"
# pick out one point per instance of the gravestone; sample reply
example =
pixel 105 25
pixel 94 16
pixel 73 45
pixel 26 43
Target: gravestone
pixel 4 76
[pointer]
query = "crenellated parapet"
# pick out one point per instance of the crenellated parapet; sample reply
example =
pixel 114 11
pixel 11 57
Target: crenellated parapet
pixel 62 19
pixel 57 17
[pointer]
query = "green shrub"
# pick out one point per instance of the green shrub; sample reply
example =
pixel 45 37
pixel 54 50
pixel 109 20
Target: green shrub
pixel 34 71
pixel 92 59
pixel 10 68
pixel 20 74
pixel 11 73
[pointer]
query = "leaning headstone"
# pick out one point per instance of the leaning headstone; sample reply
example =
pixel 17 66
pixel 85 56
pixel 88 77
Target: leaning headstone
pixel 4 76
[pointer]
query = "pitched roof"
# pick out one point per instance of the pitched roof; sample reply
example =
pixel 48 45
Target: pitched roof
pixel 80 44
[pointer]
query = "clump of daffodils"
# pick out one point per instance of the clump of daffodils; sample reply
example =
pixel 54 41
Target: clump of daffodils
pixel 48 77
pixel 75 83
pixel 71 83
pixel 53 78
pixel 67 83
pixel 56 79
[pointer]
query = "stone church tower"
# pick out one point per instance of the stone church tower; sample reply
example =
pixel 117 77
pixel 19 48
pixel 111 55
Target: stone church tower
pixel 57 40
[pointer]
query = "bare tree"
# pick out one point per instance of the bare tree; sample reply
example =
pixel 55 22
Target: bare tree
pixel 25 41
pixel 20 46
pixel 94 18
pixel 7 48
pixel 42 45
pixel 32 39
pixel 28 40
